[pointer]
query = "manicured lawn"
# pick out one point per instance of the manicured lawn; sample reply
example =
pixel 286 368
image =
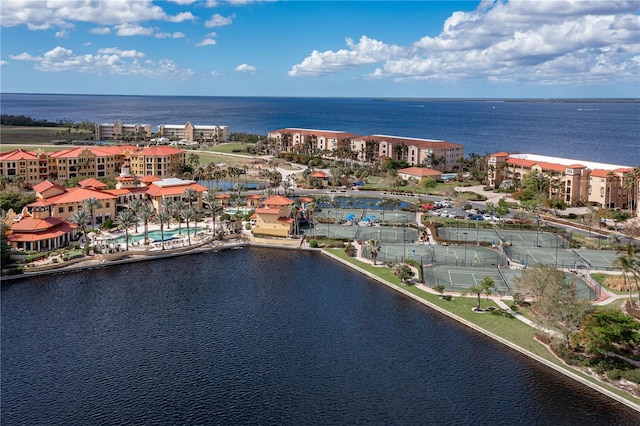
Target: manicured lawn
pixel 36 135
pixel 499 324
pixel 206 158
pixel 10 147
pixel 229 148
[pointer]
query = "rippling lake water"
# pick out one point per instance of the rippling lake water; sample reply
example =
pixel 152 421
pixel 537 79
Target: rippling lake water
pixel 261 336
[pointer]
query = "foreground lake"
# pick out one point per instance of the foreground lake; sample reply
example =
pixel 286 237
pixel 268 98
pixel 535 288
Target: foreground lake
pixel 260 336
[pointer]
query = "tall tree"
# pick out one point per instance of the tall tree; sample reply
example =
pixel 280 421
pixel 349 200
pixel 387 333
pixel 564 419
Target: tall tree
pixel 80 217
pixel 163 217
pixel 373 246
pixel 92 204
pixel 629 264
pixel 125 219
pixel 188 214
pixel 135 206
pixel 190 194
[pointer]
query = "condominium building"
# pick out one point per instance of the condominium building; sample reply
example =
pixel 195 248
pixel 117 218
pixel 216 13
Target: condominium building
pixel 273 218
pixel 119 131
pixel 313 141
pixel 31 167
pixel 435 154
pixel 574 181
pixel 61 202
pixel 440 155
pixel 194 133
pixel 161 161
pixel 95 162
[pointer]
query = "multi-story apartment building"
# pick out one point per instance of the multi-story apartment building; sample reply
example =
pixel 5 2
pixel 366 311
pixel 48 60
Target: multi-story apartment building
pixel 95 162
pixel 161 161
pixel 31 167
pixel 90 162
pixel 436 154
pixel 119 131
pixel 574 181
pixel 194 133
pixel 61 202
pixel 313 141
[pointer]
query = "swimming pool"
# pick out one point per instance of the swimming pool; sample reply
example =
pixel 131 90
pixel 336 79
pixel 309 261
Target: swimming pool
pixel 157 235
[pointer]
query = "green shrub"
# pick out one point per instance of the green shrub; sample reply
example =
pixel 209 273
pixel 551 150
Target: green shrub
pixel 614 374
pixel 350 250
pixel 313 243
pixel 34 257
pixel 632 375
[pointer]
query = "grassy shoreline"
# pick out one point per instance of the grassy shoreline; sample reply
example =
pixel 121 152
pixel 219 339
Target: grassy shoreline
pixel 509 331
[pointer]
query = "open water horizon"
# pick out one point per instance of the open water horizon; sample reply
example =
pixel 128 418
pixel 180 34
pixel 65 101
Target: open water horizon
pixel 261 336
pixel 601 131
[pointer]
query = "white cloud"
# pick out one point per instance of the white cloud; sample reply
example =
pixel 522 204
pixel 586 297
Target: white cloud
pixel 207 42
pixel 215 73
pixel 3 63
pixel 100 30
pixel 245 68
pixel 564 41
pixel 218 20
pixel 110 60
pixel 182 2
pixel 170 35
pixel 24 56
pixel 367 51
pixel 62 34
pixel 42 15
pixel 123 53
pixel 129 29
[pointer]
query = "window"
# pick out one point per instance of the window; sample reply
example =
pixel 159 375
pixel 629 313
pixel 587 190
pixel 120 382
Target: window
pixel 70 209
pixel 60 209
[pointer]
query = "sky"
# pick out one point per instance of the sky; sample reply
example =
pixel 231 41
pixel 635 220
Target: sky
pixel 424 49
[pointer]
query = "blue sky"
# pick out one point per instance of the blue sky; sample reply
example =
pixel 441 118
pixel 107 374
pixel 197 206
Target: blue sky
pixel 490 48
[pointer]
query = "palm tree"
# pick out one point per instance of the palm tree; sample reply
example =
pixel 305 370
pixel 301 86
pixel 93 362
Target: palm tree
pixel 125 219
pixel 188 214
pixel 135 206
pixel 166 206
pixel 629 183
pixel 214 208
pixel 374 247
pixel 178 208
pixel 79 217
pixel 92 204
pixel 629 264
pixel 162 218
pixel 190 194
pixel 146 213
pixel 610 176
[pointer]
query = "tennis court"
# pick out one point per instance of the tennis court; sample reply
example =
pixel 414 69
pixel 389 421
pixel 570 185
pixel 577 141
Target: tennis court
pixel 557 257
pixel 460 279
pixel 496 235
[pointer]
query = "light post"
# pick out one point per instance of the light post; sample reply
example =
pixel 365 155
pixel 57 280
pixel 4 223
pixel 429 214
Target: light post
pixel 538 231
pixel 404 244
pixel 465 248
pixel 557 244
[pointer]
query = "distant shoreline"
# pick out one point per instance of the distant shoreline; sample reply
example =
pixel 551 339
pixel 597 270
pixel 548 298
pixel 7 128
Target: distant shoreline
pixel 376 99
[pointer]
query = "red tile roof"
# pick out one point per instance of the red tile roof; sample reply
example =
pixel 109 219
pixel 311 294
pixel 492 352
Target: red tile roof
pixel 46 184
pixel 77 195
pixel 330 134
pixel 420 143
pixel 159 191
pixel 92 183
pixel 30 229
pixel 420 171
pixel 18 154
pixel 500 154
pixel 305 199
pixel 319 174
pixel 277 200
pixel 159 151
pixel 148 179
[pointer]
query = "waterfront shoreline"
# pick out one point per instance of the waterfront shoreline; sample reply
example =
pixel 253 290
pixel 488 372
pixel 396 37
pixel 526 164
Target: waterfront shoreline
pixel 240 244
